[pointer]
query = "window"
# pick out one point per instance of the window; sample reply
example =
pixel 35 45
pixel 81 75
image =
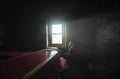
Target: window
pixel 57 28
pixel 56 33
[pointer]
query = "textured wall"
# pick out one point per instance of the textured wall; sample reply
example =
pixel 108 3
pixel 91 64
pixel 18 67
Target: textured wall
pixel 108 42
pixel 108 32
pixel 98 39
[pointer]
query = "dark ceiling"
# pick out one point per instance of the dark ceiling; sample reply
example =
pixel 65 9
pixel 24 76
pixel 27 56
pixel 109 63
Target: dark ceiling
pixel 44 9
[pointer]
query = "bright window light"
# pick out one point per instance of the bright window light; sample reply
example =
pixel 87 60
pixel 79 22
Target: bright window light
pixel 57 28
pixel 56 39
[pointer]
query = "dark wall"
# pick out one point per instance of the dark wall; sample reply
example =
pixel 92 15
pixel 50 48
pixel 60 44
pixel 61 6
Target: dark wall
pixel 108 32
pixel 108 42
pixel 97 39
pixel 95 31
pixel 24 27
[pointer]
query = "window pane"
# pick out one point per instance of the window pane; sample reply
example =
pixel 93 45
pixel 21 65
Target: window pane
pixel 56 39
pixel 57 28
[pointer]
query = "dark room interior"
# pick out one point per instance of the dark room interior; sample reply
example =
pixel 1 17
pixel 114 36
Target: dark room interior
pixel 93 27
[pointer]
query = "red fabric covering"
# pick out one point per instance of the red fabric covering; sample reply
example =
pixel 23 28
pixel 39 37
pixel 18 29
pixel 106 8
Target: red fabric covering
pixel 14 53
pixel 63 63
pixel 16 68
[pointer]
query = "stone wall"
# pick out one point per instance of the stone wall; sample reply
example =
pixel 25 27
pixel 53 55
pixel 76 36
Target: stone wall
pixel 98 39
pixel 106 62
pixel 108 32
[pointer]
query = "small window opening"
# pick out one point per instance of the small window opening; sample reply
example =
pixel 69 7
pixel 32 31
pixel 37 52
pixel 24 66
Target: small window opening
pixel 56 33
